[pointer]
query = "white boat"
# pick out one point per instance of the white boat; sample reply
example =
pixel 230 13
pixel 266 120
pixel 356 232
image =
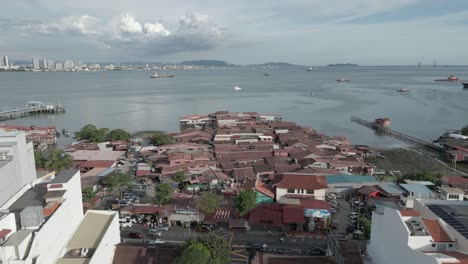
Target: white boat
pixel 237 88
pixel 309 69
pixel 155 75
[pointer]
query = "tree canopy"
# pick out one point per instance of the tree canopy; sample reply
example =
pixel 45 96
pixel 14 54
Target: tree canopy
pixel 245 201
pixel 119 180
pixel 39 159
pixel 423 176
pixel 179 176
pixel 163 194
pixel 209 202
pixel 464 130
pixel 58 160
pixel 160 138
pixel 118 134
pixel 207 249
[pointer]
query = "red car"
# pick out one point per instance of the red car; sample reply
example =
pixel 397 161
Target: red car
pixel 135 235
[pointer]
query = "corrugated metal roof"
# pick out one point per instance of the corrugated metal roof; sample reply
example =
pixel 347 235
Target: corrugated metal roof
pixel 347 178
pixel 417 190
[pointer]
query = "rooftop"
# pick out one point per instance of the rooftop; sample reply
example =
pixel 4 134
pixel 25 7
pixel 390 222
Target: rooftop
pixel 417 190
pixel 302 181
pixel 346 178
pixel 32 197
pixel 96 155
pixel 437 232
pixel 452 190
pixel 136 254
pixel 17 238
pixel 90 231
pixel 454 215
pixel 64 176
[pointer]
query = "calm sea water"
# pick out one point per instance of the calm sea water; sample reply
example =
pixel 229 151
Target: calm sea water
pixel 133 101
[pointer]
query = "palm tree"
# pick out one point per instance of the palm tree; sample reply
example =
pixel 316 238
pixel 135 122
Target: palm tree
pixel 119 180
pixel 58 161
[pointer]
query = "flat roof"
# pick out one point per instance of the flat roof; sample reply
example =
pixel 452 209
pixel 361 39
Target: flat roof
pixel 54 194
pixel 417 189
pixel 96 155
pixel 32 197
pixel 454 215
pixel 5 162
pixel 452 190
pixel 64 176
pixel 10 133
pixel 73 260
pixel 91 230
pixel 7 144
pixel 17 238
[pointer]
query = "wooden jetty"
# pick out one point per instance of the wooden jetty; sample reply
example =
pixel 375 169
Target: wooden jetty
pixel 32 108
pixel 395 134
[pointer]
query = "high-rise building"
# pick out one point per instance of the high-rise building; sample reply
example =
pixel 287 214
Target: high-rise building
pixel 35 62
pixel 59 66
pixel 68 65
pixel 50 64
pixel 44 64
pixel 6 63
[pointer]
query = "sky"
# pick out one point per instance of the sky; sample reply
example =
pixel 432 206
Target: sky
pixel 306 32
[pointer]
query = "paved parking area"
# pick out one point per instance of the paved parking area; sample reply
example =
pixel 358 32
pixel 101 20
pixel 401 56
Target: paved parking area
pixel 341 217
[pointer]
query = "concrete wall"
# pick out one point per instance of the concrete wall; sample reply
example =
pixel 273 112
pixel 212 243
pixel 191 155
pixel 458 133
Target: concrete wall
pixel 55 233
pixel 318 194
pixel 19 171
pixel 390 245
pixel 105 251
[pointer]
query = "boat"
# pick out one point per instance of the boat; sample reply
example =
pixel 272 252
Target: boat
pixel 342 80
pixel 465 85
pixel 237 88
pixel 65 132
pixel 309 69
pixel 403 90
pixel 451 78
pixel 155 75
pixel 267 74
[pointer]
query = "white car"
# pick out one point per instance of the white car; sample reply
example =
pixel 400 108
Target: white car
pixel 156 241
pixel 162 227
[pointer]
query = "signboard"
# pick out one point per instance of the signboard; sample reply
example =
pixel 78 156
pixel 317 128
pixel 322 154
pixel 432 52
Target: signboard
pixel 316 213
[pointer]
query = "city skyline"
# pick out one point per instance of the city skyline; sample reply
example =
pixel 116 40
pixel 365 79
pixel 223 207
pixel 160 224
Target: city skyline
pixel 304 32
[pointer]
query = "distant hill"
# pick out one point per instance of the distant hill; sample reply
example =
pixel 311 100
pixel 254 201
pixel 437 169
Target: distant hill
pixel 274 64
pixel 207 63
pixel 343 65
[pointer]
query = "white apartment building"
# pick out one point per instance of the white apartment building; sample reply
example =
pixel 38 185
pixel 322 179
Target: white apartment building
pixel 454 194
pixel 300 185
pixel 194 120
pixel 39 216
pixel 429 232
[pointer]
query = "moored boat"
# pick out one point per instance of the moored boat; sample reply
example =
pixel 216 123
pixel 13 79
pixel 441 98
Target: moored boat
pixel 342 80
pixel 403 90
pixel 451 78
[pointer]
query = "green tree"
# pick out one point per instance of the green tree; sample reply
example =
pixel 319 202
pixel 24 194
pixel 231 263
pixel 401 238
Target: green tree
pixel 58 160
pixel 163 194
pixel 39 159
pixel 160 138
pixel 118 134
pixel 196 253
pixel 179 176
pixel 464 131
pixel 422 176
pixel 88 194
pixel 196 249
pixel 91 133
pixel 366 225
pixel 119 180
pixel 209 202
pixel 245 201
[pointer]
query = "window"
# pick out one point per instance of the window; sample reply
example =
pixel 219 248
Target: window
pixel 310 191
pixel 453 196
pixel 290 190
pixel 450 245
pixel 433 245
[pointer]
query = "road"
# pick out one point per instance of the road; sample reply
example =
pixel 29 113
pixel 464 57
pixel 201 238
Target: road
pixel 238 240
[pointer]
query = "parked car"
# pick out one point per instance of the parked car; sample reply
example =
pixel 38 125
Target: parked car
pixel 163 227
pixel 135 235
pixel 154 232
pixel 203 229
pixel 124 202
pixel 156 241
pixel 125 223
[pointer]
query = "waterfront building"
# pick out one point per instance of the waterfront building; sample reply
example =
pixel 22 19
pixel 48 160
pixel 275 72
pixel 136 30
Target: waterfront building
pixel 6 62
pixel 35 62
pixel 68 65
pixel 43 64
pixel 59 66
pixel 50 64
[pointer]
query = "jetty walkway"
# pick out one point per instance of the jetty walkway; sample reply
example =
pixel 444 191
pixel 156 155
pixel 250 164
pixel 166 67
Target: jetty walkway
pixel 32 108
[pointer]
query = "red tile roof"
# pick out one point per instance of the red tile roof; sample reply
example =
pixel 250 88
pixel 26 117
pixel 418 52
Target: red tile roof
pixel 314 204
pixel 302 181
pixel 437 232
pixel 455 180
pixel 409 213
pixel 265 189
pixel 97 164
pixel 293 214
pixel 266 215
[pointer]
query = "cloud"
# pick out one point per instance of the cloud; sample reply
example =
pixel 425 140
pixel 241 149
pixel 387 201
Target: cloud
pixel 128 24
pixel 84 24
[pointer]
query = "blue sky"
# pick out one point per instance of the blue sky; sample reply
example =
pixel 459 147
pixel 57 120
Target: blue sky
pixel 309 32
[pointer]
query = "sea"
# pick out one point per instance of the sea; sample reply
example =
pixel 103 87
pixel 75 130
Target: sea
pixel 133 101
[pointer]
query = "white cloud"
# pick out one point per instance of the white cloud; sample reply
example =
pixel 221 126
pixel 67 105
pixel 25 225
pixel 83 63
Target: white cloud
pixel 128 24
pixel 84 24
pixel 155 28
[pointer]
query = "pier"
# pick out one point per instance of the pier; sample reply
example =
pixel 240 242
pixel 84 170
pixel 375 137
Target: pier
pixel 32 108
pixel 395 134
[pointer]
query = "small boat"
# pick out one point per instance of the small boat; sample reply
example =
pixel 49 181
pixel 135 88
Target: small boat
pixel 403 90
pixel 237 88
pixel 465 85
pixel 65 132
pixel 342 80
pixel 309 69
pixel 155 75
pixel 267 74
pixel 452 78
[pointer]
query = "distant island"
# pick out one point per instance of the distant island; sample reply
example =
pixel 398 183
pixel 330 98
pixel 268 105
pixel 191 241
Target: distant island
pixel 273 64
pixel 207 63
pixel 343 65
